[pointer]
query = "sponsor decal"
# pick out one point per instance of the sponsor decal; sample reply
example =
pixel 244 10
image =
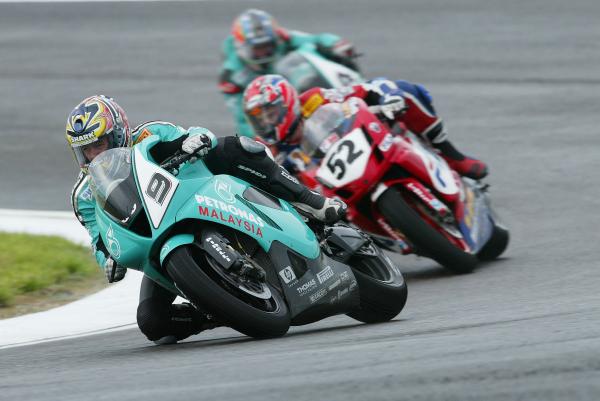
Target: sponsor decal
pixel 344 276
pixel 328 142
pixel 86 194
pixel 334 285
pixel 306 287
pixel 287 175
pixel 317 295
pixel 400 240
pixel 325 274
pixel 113 245
pixel 387 141
pixel 426 197
pixel 218 248
pixel 83 139
pixel 469 207
pixel 312 104
pixel 340 294
pixel 376 128
pixel 287 274
pixel 143 135
pixel 223 189
pixel 230 214
pixel 335 95
pixel 251 171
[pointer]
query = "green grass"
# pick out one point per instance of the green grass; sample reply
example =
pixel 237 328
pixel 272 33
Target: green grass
pixel 30 263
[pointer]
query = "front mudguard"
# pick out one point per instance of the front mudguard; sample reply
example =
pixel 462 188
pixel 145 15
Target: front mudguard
pixel 172 243
pixel 347 240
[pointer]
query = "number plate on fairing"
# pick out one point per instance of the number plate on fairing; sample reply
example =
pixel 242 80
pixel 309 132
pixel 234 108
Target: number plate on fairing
pixel 346 160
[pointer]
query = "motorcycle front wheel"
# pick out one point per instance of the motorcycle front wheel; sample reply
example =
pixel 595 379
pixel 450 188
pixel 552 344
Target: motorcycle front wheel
pixel 425 238
pixel 382 288
pixel 258 310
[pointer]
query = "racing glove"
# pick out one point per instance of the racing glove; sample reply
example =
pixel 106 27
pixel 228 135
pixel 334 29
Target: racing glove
pixel 114 272
pixel 391 104
pixel 198 145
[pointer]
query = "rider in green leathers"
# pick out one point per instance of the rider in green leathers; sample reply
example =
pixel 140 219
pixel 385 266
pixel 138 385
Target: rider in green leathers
pixel 98 123
pixel 256 42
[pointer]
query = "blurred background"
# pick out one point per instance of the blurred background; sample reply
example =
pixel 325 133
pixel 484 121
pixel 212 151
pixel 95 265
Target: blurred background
pixel 518 85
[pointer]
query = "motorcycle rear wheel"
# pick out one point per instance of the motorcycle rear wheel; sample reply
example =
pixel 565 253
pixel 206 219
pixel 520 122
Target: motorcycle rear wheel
pixel 383 291
pixel 191 271
pixel 426 239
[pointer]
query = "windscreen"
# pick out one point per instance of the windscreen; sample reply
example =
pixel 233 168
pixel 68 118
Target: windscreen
pixel 322 129
pixel 113 184
pixel 300 72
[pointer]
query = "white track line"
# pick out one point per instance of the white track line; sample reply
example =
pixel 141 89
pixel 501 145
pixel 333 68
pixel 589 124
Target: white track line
pixel 113 308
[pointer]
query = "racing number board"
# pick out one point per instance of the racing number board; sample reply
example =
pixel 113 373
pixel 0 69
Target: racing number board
pixel 346 160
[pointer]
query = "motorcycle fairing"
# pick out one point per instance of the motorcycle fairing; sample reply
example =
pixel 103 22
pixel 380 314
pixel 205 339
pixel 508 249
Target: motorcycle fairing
pixel 346 160
pixel 475 223
pixel 314 287
pixel 439 174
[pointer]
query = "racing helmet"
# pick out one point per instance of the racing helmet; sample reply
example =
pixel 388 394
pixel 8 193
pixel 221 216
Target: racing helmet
pixel 272 108
pixel 98 122
pixel 255 37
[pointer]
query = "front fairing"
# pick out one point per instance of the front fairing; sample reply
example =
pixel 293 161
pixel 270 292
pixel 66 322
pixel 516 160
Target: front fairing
pixel 475 216
pixel 225 200
pixel 196 194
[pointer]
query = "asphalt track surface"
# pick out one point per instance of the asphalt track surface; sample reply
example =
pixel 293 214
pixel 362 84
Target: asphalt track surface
pixel 518 83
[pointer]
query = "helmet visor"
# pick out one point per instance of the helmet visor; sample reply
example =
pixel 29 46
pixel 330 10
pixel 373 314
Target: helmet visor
pixel 263 52
pixel 265 119
pixel 84 154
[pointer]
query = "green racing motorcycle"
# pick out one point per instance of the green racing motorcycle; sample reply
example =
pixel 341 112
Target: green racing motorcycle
pixel 235 251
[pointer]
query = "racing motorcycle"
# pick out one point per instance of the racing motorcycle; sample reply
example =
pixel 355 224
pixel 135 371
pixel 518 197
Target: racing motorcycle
pixel 233 250
pixel 398 189
pixel 306 68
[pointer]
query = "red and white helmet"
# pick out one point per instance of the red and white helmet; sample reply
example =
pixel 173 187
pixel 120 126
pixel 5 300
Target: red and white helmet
pixel 272 107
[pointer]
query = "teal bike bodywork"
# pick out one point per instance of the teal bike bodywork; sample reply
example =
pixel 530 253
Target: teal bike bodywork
pixel 198 194
pixel 235 250
pixel 306 68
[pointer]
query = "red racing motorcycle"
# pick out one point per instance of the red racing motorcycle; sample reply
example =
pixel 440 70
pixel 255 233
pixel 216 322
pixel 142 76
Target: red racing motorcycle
pixel 398 189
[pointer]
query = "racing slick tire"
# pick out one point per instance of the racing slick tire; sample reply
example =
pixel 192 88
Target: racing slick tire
pixel 194 274
pixel 426 239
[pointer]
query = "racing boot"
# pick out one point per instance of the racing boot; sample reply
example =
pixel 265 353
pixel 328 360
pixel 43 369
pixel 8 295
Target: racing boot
pixel 319 207
pixel 463 165
pixel 186 320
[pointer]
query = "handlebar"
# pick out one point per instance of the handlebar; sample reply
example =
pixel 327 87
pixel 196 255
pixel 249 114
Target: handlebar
pixel 176 160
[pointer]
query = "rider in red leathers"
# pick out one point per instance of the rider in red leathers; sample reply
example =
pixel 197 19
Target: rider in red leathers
pixel 277 113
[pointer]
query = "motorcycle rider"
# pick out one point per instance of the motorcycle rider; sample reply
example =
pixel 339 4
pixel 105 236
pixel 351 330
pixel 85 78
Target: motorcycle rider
pixel 256 42
pixel 98 123
pixel 277 113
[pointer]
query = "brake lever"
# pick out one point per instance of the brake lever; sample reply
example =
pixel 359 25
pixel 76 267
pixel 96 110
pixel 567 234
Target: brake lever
pixel 172 164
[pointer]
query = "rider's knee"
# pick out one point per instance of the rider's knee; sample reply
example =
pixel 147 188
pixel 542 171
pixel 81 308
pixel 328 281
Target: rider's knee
pixel 151 319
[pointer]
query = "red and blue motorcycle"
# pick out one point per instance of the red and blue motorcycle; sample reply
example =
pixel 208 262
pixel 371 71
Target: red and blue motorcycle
pixel 398 189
